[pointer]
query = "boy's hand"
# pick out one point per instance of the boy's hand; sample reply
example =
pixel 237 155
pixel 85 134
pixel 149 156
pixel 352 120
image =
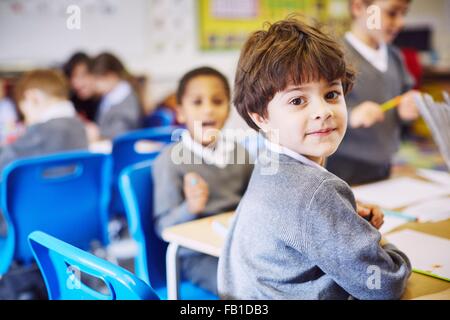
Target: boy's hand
pixel 408 109
pixel 92 132
pixel 196 192
pixel 366 115
pixel 372 213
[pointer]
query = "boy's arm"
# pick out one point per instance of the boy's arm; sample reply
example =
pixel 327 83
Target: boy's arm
pixel 116 124
pixel 170 207
pixel 120 119
pixel 348 249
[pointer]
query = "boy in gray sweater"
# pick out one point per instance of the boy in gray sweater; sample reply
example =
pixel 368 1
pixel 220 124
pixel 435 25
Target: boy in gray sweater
pixel 373 135
pixel 51 122
pixel 205 173
pixel 298 233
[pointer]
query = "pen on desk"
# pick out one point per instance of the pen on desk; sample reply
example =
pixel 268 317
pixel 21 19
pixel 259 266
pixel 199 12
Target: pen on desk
pixel 399 214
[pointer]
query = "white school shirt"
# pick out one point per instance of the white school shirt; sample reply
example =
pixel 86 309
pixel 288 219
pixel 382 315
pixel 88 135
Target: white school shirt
pixel 63 109
pixel 297 156
pixel 7 111
pixel 114 97
pixel 219 156
pixel 378 58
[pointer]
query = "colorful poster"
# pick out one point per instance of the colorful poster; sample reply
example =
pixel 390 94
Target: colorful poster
pixel 225 24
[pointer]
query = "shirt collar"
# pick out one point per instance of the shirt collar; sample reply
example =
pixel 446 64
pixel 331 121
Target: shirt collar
pixel 115 96
pixel 63 109
pixel 290 153
pixel 378 58
pixel 219 156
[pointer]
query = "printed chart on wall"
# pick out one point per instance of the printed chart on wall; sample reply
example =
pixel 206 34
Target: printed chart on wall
pixel 225 24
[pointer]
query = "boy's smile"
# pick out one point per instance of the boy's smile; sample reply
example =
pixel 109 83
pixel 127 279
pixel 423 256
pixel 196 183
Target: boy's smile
pixel 309 119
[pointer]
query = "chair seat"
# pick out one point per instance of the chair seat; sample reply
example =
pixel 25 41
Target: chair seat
pixel 188 291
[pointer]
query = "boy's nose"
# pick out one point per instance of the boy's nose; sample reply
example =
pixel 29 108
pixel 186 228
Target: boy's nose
pixel 322 111
pixel 209 108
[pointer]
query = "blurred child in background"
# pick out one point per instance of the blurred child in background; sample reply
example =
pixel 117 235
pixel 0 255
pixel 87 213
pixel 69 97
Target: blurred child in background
pixel 8 117
pixel 373 136
pixel 82 85
pixel 120 108
pixel 50 118
pixel 200 175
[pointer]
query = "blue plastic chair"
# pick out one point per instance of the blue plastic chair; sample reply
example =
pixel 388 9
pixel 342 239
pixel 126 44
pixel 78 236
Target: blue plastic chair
pixel 66 195
pixel 136 187
pixel 161 117
pixel 124 153
pixel 62 265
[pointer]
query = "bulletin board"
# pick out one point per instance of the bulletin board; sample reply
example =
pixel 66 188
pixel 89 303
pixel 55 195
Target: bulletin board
pixel 225 24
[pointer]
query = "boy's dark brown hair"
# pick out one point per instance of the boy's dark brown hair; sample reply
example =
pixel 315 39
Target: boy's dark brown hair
pixel 289 52
pixel 51 82
pixel 201 71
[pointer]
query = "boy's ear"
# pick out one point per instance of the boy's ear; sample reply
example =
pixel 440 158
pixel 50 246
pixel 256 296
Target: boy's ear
pixel 260 121
pixel 179 114
pixel 34 96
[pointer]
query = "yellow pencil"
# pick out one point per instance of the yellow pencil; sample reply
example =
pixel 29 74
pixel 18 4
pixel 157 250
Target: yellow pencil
pixel 388 105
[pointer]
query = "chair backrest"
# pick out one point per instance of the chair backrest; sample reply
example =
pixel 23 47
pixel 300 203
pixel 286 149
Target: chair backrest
pixel 125 149
pixel 125 152
pixel 136 188
pixel 62 266
pixel 160 117
pixel 66 195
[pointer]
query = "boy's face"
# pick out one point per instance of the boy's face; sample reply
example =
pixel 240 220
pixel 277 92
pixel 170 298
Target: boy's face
pixel 82 81
pixel 204 108
pixel 105 83
pixel 32 105
pixel 310 119
pixel 392 17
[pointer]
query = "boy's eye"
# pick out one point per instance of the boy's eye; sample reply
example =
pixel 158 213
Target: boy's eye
pixel 297 101
pixel 333 95
pixel 217 102
pixel 197 102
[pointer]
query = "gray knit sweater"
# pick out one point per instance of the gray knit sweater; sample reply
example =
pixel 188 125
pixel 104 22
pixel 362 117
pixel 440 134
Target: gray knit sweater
pixel 53 136
pixel 378 143
pixel 226 187
pixel 297 235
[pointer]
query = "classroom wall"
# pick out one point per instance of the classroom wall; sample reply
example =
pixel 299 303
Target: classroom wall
pixel 154 37
pixel 434 13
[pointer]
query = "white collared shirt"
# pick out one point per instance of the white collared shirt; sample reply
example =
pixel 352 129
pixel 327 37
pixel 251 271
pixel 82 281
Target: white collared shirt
pixel 290 153
pixel 378 58
pixel 115 96
pixel 63 109
pixel 220 156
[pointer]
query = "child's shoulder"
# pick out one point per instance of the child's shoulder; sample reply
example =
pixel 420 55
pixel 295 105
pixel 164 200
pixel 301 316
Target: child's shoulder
pixel 300 179
pixel 166 156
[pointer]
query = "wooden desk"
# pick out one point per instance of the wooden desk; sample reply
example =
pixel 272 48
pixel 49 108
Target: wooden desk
pixel 199 235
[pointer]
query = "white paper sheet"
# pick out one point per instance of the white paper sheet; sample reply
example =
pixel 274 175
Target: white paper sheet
pixel 391 222
pixel 427 253
pixel 431 210
pixel 399 192
pixel 437 176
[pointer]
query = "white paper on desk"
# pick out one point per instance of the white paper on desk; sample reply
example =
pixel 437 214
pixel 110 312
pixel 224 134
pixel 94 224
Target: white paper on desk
pixel 398 192
pixel 437 176
pixel 431 210
pixel 391 222
pixel 427 253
